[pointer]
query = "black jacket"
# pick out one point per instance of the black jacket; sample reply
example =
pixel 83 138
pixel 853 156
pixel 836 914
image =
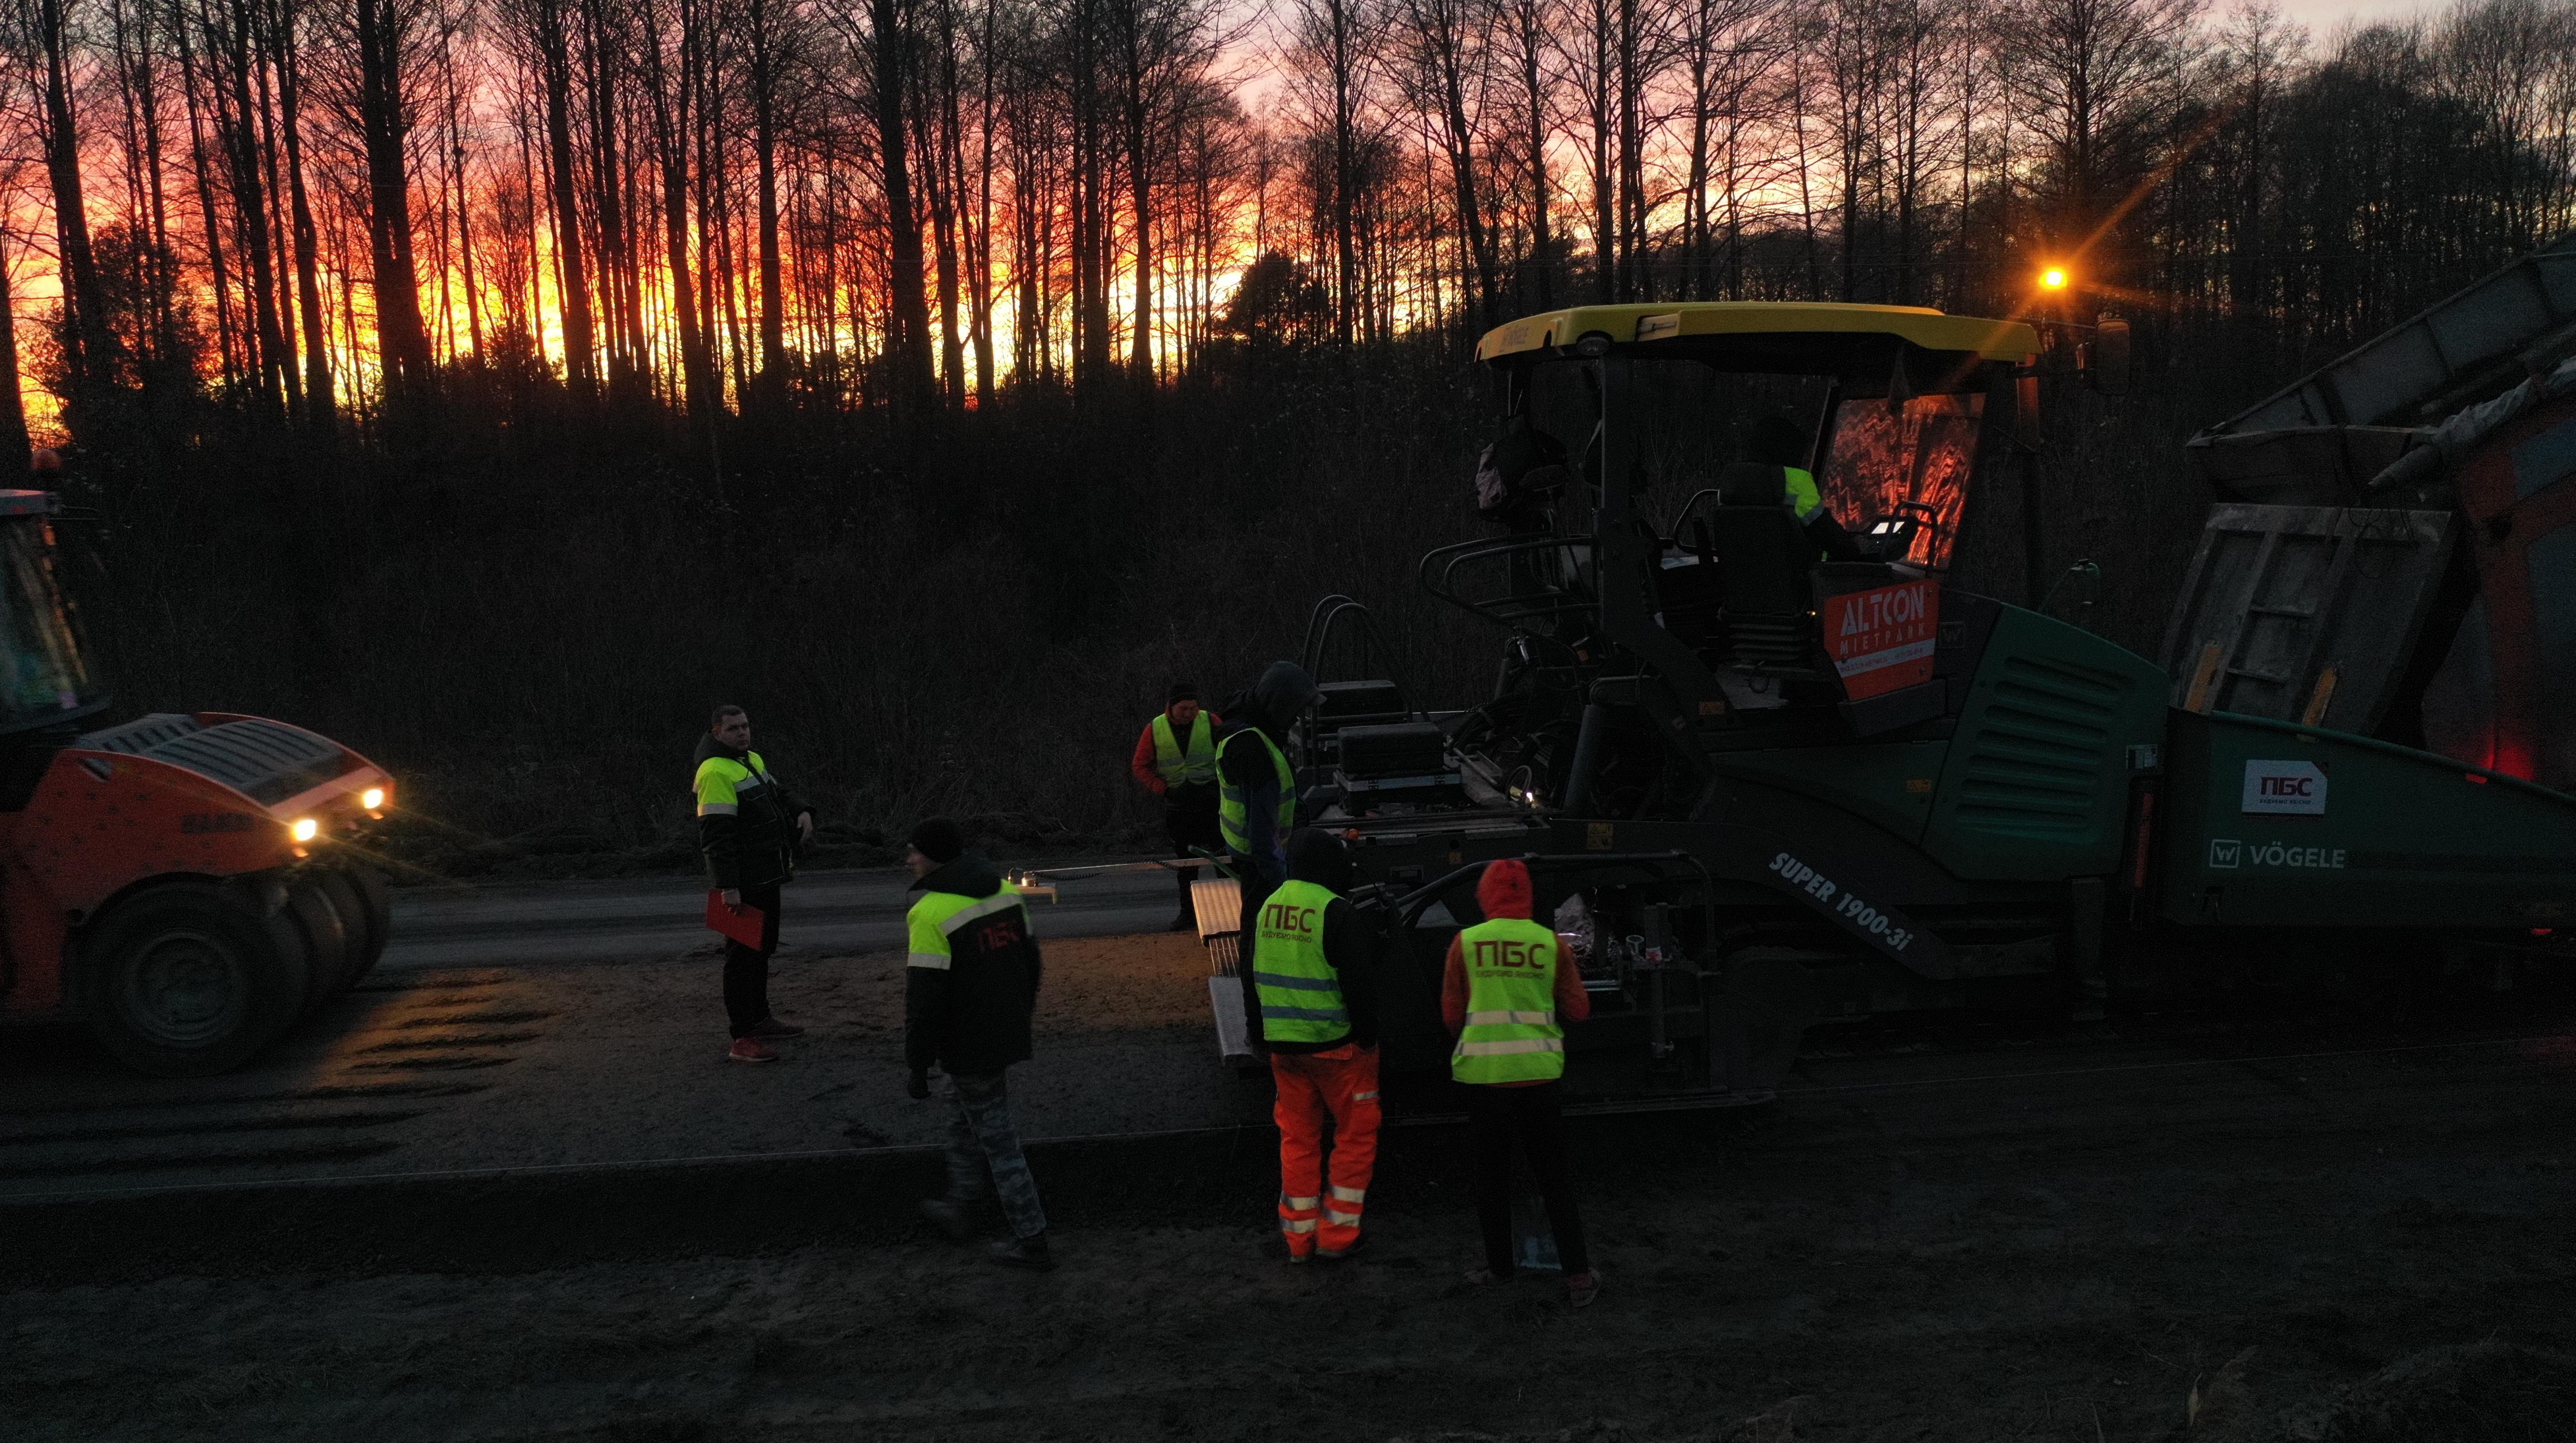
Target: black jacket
pixel 1271 707
pixel 973 981
pixel 1318 857
pixel 756 843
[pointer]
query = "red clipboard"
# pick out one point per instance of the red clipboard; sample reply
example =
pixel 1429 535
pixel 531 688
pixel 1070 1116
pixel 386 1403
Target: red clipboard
pixel 742 924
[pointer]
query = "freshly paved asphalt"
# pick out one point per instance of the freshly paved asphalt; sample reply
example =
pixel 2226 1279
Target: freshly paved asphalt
pixel 519 924
pixel 566 1024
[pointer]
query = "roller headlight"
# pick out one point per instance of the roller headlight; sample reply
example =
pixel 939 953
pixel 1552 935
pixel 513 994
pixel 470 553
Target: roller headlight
pixel 305 829
pixel 373 798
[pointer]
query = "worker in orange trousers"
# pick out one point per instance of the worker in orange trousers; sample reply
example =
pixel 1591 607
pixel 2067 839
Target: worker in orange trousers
pixel 1310 997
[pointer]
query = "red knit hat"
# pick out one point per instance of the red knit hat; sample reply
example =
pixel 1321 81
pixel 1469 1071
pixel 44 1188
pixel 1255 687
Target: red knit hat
pixel 1504 890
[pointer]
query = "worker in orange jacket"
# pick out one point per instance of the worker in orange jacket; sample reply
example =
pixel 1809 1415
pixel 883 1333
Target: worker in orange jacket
pixel 1314 1009
pixel 1176 760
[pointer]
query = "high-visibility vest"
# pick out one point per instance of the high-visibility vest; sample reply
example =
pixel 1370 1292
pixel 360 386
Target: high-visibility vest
pixel 723 784
pixel 938 921
pixel 1194 767
pixel 1798 491
pixel 1301 994
pixel 1511 1033
pixel 1232 820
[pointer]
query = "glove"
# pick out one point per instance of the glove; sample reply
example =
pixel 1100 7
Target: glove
pixel 918 1087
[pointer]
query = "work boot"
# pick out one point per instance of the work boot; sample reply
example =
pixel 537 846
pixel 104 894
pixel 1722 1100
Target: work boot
pixel 769 1027
pixel 1030 1253
pixel 1335 1255
pixel 1184 921
pixel 750 1049
pixel 1582 1288
pixel 949 1217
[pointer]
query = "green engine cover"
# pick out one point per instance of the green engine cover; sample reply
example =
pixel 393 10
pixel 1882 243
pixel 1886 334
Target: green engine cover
pixel 2271 824
pixel 2036 784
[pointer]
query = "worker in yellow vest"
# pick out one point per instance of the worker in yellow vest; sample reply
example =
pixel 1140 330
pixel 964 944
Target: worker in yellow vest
pixel 1774 472
pixel 1314 1007
pixel 1509 989
pixel 1176 760
pixel 749 828
pixel 1256 788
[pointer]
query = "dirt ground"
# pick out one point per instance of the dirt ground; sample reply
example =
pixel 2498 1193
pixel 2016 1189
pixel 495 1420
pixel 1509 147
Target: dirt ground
pixel 2312 1229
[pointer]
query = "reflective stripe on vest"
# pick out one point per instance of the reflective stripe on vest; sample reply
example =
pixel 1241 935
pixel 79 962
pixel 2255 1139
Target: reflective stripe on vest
pixel 1511 1033
pixel 1232 820
pixel 1301 995
pixel 1195 767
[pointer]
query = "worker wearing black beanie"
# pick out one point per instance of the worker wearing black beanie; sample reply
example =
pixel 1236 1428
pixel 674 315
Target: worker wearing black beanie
pixel 969 989
pixel 938 839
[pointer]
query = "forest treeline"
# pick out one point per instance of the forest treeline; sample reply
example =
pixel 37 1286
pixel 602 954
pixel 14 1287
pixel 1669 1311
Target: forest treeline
pixel 305 208
pixel 497 381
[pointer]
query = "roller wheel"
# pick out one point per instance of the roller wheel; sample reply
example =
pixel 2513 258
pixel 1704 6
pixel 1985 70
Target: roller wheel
pixel 352 908
pixel 318 922
pixel 188 980
pixel 379 901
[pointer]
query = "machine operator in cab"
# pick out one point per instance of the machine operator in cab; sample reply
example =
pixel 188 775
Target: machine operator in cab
pixel 1509 988
pixel 1176 760
pixel 1774 472
pixel 1313 1006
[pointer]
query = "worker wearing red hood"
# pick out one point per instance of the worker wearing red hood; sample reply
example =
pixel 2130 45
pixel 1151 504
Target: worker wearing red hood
pixel 1510 988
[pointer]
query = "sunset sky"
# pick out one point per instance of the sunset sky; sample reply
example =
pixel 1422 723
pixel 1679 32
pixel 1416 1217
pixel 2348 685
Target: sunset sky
pixel 2324 16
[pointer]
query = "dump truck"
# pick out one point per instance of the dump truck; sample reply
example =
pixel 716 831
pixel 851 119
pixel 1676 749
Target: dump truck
pixel 186 885
pixel 1769 792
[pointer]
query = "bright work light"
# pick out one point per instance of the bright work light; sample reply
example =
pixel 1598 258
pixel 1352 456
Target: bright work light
pixel 2053 278
pixel 306 829
pixel 372 798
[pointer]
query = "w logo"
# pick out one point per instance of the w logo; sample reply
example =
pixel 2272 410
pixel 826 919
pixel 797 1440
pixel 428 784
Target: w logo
pixel 2225 854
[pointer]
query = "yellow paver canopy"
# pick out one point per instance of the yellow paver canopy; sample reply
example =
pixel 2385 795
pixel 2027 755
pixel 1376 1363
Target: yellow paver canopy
pixel 1683 320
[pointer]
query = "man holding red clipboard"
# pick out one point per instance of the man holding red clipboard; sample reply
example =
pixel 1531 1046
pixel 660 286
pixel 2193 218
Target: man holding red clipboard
pixel 749 826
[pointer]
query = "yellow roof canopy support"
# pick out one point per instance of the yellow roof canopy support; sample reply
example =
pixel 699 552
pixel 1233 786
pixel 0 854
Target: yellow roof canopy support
pixel 1682 320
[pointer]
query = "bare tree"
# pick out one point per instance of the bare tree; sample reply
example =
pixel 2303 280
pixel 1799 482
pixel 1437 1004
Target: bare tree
pixel 2090 75
pixel 1333 73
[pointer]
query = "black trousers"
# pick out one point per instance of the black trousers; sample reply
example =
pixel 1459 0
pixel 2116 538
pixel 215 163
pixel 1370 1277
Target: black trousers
pixel 1496 1115
pixel 1189 816
pixel 746 970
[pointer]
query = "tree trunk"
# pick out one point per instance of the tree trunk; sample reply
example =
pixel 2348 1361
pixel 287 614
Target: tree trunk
pixel 89 350
pixel 908 341
pixel 402 341
pixel 1138 106
pixel 979 268
pixel 668 98
pixel 934 116
pixel 229 49
pixel 320 409
pixel 14 448
pixel 554 50
pixel 764 144
pixel 215 266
